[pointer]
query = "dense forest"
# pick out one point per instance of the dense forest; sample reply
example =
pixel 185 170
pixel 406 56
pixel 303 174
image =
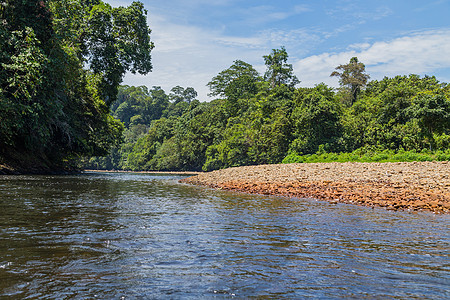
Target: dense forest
pixel 265 119
pixel 62 62
pixel 61 103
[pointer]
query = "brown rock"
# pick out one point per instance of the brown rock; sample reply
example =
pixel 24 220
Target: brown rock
pixel 418 185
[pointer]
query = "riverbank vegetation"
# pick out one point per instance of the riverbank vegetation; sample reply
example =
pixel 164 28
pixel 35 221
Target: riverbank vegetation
pixel 61 100
pixel 265 119
pixel 369 155
pixel 61 65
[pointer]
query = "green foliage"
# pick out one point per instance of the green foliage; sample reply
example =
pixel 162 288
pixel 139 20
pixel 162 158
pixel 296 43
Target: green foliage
pixel 231 151
pixel 317 119
pixel 52 107
pixel 369 154
pixel 433 114
pixel 239 80
pixel 62 63
pixel 276 124
pixel 237 85
pixel 179 94
pixel 391 114
pixel 117 40
pixel 278 70
pixel 352 77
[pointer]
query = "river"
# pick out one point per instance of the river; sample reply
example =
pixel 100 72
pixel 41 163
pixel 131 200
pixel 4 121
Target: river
pixel 144 236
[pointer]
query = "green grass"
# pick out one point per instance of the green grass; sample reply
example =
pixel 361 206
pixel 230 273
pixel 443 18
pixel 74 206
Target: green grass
pixel 367 155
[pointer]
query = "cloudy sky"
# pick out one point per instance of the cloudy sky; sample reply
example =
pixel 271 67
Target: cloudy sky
pixel 196 39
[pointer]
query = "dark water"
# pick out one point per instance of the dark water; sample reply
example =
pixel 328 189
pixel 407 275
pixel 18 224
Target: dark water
pixel 134 236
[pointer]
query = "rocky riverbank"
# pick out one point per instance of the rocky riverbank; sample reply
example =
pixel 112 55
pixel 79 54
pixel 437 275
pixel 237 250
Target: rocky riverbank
pixel 396 186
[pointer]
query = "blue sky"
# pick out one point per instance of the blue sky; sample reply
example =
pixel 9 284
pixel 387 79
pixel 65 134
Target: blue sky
pixel 196 39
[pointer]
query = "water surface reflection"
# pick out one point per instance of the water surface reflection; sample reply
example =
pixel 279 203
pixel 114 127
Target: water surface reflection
pixel 146 236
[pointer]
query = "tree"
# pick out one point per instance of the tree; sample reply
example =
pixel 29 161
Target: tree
pixel 160 102
pixel 317 120
pixel 392 114
pixel 238 81
pixel 352 76
pixel 179 94
pixel 433 113
pixel 117 41
pixel 25 42
pixel 61 63
pixel 278 70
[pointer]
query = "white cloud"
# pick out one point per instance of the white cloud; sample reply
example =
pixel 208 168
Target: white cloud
pixel 317 68
pixel 187 55
pixel 361 13
pixel 209 2
pixel 300 38
pixel 191 56
pixel 301 9
pixel 377 14
pixel 419 53
pixel 263 14
pixel 117 3
pixel 244 42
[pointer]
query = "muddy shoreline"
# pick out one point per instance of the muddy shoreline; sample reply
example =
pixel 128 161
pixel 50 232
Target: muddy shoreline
pixel 409 186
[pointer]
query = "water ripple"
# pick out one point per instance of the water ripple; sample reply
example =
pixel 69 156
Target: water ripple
pixel 146 236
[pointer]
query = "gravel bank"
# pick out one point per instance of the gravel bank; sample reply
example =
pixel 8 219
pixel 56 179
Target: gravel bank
pixel 397 186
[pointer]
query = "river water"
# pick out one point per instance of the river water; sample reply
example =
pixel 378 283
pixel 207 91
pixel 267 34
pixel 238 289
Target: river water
pixel 143 236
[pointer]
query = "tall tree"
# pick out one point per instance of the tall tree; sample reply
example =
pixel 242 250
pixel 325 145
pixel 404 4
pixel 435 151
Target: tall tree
pixel 62 61
pixel 238 81
pixel 179 94
pixel 317 119
pixel 117 41
pixel 352 76
pixel 433 113
pixel 160 102
pixel 278 70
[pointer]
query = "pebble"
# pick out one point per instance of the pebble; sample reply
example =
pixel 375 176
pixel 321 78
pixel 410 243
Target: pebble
pixel 398 186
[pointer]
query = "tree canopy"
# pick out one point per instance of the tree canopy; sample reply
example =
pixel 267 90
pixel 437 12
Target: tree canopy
pixel 239 80
pixel 404 116
pixel 278 70
pixel 62 62
pixel 352 76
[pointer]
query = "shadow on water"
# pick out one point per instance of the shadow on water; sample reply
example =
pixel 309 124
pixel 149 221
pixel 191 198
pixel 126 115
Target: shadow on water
pixel 112 235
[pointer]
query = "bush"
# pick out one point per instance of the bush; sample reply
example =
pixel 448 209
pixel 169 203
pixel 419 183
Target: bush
pixel 366 154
